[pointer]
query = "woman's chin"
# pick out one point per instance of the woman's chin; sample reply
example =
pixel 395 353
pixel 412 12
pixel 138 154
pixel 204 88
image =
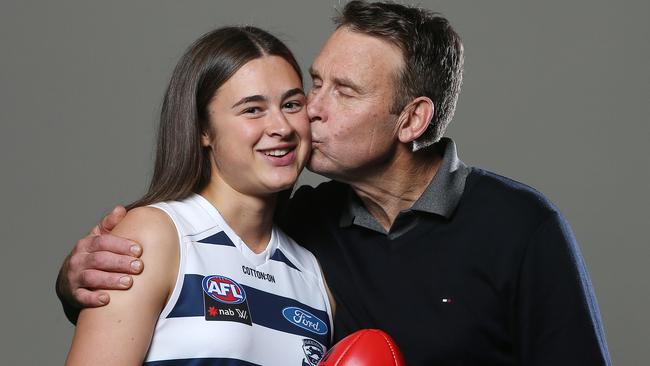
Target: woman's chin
pixel 281 185
pixel 284 187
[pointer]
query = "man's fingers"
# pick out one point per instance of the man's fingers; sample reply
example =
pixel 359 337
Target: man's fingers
pixel 114 244
pixel 90 299
pixel 84 244
pixel 112 219
pixel 100 280
pixel 111 262
pixel 95 231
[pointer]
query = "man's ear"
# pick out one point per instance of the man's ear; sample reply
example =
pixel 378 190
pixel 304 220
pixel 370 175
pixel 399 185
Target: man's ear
pixel 415 119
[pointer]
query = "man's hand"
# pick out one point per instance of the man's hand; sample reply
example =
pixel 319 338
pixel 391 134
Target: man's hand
pixel 99 261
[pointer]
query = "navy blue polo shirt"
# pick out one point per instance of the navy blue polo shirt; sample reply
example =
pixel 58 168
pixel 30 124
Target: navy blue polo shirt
pixel 482 270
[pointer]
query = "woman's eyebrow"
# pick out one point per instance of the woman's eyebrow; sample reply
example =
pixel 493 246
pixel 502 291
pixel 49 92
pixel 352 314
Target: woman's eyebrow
pixel 251 98
pixel 292 92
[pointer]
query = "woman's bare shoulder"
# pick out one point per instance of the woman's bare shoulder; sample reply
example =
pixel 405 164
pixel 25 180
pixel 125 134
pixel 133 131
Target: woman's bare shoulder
pixel 155 231
pixel 148 226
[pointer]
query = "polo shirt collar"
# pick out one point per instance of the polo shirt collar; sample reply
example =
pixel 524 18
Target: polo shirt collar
pixel 440 197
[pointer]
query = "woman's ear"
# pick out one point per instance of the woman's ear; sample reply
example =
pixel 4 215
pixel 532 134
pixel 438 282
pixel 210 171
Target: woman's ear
pixel 415 119
pixel 205 138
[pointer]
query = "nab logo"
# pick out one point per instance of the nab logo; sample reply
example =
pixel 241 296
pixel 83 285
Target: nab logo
pixel 223 289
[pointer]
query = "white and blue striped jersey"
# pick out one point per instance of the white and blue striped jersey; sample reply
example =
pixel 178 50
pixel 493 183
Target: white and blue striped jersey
pixel 231 306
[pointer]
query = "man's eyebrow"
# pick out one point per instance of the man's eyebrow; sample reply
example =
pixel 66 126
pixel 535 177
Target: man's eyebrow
pixel 251 98
pixel 292 92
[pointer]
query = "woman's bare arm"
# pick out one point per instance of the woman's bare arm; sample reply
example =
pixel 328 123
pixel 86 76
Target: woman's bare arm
pixel 120 332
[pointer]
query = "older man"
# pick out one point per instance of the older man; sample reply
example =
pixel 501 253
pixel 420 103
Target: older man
pixel 461 266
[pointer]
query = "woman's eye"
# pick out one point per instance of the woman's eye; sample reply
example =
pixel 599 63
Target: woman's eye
pixel 252 110
pixel 293 106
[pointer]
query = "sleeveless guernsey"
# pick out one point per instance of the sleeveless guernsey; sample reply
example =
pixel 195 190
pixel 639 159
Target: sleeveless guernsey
pixel 231 306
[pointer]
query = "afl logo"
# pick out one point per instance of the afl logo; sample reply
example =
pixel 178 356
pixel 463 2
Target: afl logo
pixel 223 289
pixel 305 320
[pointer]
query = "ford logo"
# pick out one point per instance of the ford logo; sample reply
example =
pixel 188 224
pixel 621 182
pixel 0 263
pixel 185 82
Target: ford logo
pixel 305 320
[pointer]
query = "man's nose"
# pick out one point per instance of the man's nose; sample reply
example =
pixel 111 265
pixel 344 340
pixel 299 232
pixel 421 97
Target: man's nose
pixel 316 106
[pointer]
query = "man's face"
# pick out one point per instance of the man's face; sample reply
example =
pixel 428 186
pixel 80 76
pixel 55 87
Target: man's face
pixel 353 131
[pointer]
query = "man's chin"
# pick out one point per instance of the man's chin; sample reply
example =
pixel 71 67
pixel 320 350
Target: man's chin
pixel 322 170
pixel 316 166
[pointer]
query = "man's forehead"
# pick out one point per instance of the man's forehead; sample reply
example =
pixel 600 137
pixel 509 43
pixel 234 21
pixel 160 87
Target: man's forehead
pixel 348 53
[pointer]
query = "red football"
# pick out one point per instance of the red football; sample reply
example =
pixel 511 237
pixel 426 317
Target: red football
pixel 366 347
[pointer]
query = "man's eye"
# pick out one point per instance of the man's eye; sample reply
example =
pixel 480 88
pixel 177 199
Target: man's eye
pixel 343 92
pixel 316 84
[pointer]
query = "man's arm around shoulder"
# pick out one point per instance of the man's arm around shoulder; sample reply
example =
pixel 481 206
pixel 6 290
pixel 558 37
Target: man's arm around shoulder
pixel 100 261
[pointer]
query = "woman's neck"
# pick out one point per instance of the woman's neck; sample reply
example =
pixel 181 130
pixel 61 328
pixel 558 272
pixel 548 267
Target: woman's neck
pixel 250 217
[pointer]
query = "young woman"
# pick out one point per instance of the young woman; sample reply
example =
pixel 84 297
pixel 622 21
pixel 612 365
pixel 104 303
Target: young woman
pixel 223 285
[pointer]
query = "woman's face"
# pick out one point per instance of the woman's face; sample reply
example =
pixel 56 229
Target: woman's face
pixel 259 130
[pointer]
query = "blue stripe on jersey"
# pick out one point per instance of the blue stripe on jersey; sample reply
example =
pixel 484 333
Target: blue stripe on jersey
pixel 219 238
pixel 201 362
pixel 280 257
pixel 190 300
pixel 265 308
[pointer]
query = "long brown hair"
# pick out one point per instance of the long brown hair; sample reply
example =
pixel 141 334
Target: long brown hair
pixel 182 164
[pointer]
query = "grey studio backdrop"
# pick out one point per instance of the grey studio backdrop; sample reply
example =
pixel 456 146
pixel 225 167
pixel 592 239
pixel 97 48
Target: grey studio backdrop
pixel 556 95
